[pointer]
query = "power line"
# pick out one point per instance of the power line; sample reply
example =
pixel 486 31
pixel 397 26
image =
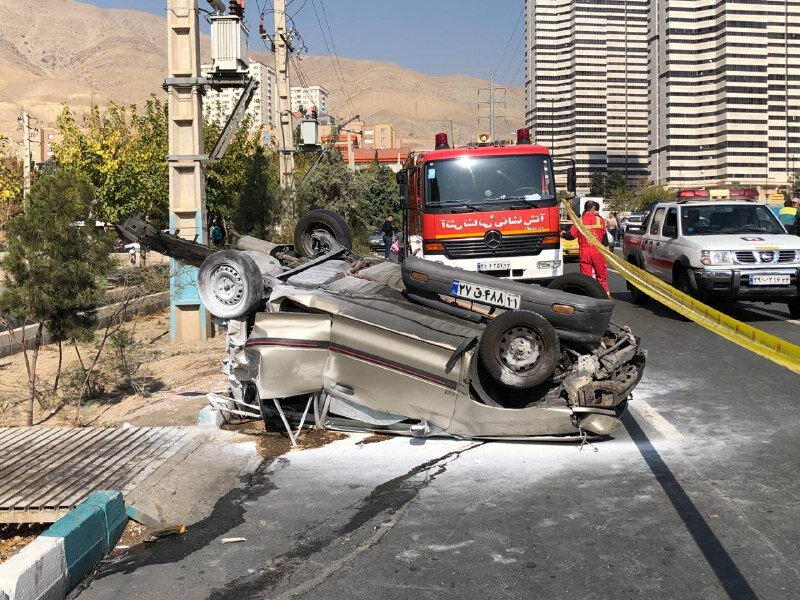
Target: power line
pixel 509 63
pixel 510 38
pixel 338 73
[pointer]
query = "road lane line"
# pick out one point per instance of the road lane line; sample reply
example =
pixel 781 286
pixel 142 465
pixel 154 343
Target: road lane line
pixel 656 419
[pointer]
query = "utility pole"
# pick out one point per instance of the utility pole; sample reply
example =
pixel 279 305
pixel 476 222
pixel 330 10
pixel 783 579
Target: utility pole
pixel 491 102
pixel 25 120
pixel 286 139
pixel 189 319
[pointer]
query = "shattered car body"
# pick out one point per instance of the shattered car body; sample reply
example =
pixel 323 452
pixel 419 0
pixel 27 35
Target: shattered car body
pixel 374 345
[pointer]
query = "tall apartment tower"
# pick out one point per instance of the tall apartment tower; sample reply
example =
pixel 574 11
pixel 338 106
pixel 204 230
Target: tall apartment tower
pixel 724 110
pixel 587 83
pixel 218 105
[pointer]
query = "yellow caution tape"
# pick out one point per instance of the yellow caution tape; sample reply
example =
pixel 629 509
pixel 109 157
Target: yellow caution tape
pixel 770 347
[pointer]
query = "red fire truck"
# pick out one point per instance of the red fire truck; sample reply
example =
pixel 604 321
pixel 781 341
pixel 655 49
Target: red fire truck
pixel 488 207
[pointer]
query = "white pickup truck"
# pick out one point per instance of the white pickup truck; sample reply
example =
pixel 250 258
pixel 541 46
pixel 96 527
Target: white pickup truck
pixel 724 249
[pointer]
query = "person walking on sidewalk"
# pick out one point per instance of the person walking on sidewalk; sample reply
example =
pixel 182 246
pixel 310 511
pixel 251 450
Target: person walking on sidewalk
pixel 387 231
pixel 591 259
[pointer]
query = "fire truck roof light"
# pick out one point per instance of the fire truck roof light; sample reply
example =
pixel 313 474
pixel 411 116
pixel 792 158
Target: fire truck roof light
pixel 523 136
pixel 441 141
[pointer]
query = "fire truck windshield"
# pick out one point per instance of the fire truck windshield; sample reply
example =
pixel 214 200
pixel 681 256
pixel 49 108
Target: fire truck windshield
pixel 489 182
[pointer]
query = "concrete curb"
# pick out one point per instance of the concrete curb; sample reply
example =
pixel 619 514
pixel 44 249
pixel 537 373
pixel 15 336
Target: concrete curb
pixel 210 415
pixel 55 562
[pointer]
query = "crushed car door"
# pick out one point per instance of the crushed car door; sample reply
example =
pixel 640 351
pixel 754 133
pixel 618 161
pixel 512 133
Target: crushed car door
pixel 292 349
pixel 388 372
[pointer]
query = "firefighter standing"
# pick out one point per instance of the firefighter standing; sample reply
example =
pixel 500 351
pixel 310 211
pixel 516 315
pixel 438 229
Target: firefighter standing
pixel 592 260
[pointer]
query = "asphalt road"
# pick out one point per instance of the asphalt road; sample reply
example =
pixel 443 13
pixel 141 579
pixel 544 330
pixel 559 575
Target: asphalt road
pixel 697 497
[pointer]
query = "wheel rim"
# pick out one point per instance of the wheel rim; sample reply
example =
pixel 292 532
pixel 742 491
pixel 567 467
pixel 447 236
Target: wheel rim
pixel 519 348
pixel 314 247
pixel 227 285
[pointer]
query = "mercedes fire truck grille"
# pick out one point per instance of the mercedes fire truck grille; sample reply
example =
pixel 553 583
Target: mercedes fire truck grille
pixel 511 245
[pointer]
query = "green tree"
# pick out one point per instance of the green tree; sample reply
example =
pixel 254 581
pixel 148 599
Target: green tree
pixel 122 153
pixel 616 183
pixel 257 210
pixel 54 268
pixel 226 178
pixel 10 183
pixel 597 184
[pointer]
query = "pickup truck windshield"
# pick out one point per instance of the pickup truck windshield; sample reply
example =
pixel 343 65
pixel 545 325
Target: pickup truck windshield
pixel 728 218
pixel 488 182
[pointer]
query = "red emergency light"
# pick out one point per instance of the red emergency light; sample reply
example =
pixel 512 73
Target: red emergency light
pixel 693 194
pixel 441 141
pixel 523 136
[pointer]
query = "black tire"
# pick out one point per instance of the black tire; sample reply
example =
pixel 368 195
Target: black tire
pixel 230 284
pixel 637 295
pixel 680 281
pixel 532 338
pixel 578 284
pixel 325 220
pixel 794 308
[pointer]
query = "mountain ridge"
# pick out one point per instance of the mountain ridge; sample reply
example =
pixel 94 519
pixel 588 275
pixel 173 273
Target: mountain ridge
pixel 65 51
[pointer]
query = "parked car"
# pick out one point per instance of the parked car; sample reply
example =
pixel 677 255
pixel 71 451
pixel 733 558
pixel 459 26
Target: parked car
pixel 376 240
pixel 419 348
pixel 569 247
pixel 734 250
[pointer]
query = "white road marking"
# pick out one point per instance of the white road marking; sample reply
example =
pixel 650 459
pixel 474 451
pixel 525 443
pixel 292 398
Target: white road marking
pixel 656 420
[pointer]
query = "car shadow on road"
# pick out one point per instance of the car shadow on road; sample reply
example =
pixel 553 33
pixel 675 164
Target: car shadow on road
pixel 740 312
pixel 718 558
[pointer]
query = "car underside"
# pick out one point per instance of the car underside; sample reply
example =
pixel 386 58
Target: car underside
pixel 319 334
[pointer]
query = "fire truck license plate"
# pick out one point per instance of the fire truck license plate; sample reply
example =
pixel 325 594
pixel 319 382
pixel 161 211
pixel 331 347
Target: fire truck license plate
pixel 485 294
pixel 770 279
pixel 494 266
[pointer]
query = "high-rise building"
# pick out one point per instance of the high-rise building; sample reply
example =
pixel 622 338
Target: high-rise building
pixel 723 107
pixel 219 104
pixel 309 97
pixel 587 83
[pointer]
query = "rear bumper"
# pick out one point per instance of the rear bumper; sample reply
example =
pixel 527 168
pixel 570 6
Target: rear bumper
pixel 735 284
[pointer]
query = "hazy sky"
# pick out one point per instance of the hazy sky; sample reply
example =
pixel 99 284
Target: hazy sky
pixel 438 37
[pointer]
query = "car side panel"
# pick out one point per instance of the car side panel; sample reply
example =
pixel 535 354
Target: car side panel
pixel 293 351
pixel 390 372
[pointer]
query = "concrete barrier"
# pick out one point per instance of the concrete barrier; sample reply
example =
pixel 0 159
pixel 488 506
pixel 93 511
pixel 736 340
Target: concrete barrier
pixel 145 305
pixel 54 563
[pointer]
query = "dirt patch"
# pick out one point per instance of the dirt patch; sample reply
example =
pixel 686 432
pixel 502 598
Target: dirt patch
pixel 14 538
pixel 375 437
pixel 134 534
pixel 180 375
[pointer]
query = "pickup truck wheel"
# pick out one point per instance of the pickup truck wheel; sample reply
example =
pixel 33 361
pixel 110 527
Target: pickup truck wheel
pixel 794 308
pixel 230 284
pixel 519 349
pixel 681 282
pixel 320 220
pixel 578 284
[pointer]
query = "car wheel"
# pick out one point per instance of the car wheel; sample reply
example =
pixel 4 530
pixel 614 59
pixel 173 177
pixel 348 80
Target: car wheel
pixel 230 284
pixel 680 280
pixel 320 220
pixel 637 295
pixel 578 284
pixel 519 349
pixel 794 308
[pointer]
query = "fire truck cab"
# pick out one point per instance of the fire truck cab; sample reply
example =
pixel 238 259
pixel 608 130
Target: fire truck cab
pixel 490 208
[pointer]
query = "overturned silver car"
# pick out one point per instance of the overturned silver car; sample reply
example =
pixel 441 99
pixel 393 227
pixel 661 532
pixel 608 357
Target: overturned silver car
pixel 318 333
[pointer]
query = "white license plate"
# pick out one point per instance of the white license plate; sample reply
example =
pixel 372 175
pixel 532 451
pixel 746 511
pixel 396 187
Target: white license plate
pixel 485 294
pixel 494 266
pixel 770 279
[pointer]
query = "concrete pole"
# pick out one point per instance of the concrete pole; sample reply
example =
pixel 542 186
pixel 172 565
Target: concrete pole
pixel 491 106
pixel 26 158
pixel 286 135
pixel 189 320
pixel 351 159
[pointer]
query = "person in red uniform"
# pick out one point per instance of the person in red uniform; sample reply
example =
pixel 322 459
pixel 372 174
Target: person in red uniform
pixel 592 260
